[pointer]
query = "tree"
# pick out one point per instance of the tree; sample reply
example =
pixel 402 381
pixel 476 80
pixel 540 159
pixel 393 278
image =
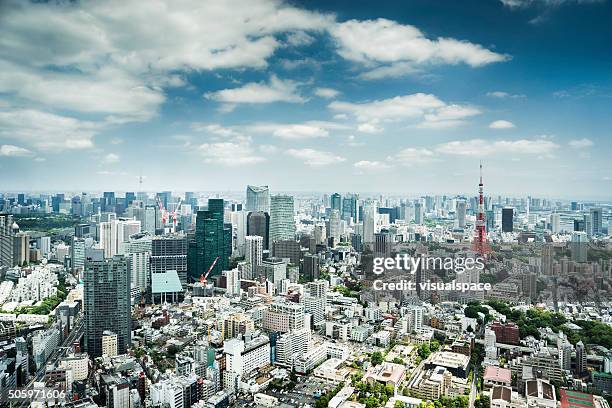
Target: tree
pixel 398 404
pixel 482 402
pixel 376 358
pixel 424 351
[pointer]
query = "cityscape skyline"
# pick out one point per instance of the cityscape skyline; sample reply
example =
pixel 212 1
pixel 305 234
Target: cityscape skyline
pixel 307 97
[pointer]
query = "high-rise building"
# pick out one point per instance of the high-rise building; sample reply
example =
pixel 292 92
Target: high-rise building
pixel 275 270
pixel 579 225
pixel 253 255
pixel 258 223
pixel 137 250
pixel 284 316
pixel 579 245
pixel 310 267
pixel 77 254
pixel 289 249
pixel 382 244
pixel 258 198
pixel 282 224
pixel 151 222
pixel 507 219
pixel 555 223
pixel 419 213
pixel 350 208
pixel 369 223
pixel 460 212
pixel 581 358
pixel 169 253
pixel 6 240
pixel 595 215
pixel 213 240
pixel 114 232
pixel 21 249
pixel 336 202
pixel 239 230
pixel 334 224
pixel 232 282
pixel 106 301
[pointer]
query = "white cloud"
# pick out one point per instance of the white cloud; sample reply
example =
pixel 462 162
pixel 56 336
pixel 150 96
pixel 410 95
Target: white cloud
pixel 384 42
pixel 294 131
pixel 411 155
pixel 326 93
pixel 581 143
pixel 233 153
pixel 14 151
pixel 268 149
pixel 299 39
pixel 481 147
pixel 369 128
pixel 399 107
pixel 315 158
pixel 46 131
pixel 300 131
pixel 115 57
pixel 504 95
pixel 448 116
pixel 501 124
pixel 276 90
pixel 544 3
pixel 431 111
pixel 111 158
pixel 371 166
pixel 111 173
pixel 215 129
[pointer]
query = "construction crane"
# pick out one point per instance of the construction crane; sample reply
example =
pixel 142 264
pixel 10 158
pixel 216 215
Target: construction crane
pixel 174 213
pixel 163 211
pixel 204 276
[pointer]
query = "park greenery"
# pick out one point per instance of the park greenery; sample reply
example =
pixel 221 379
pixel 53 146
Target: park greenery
pixel 530 322
pixel 461 401
pixel 45 222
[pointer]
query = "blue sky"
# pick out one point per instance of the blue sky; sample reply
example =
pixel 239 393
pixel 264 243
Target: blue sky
pixel 318 96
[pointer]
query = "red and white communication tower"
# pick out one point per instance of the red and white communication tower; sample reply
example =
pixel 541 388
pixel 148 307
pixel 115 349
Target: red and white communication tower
pixel 480 240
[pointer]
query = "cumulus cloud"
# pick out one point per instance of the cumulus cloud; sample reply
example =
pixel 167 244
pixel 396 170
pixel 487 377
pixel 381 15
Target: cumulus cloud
pixel 369 128
pixel 276 90
pixel 385 43
pixel 14 151
pixel 315 158
pixel 111 158
pixel 371 165
pixel 411 155
pixel 581 143
pixel 47 131
pixel 300 131
pixel 116 57
pixel 543 3
pixel 295 131
pixel 326 93
pixel 501 124
pixel 504 95
pixel 429 110
pixel 481 147
pixel 230 153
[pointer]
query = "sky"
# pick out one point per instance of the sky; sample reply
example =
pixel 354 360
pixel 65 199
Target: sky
pixel 384 96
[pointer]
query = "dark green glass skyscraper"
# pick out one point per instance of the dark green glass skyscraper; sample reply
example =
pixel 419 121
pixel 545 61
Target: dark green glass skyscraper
pixel 211 240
